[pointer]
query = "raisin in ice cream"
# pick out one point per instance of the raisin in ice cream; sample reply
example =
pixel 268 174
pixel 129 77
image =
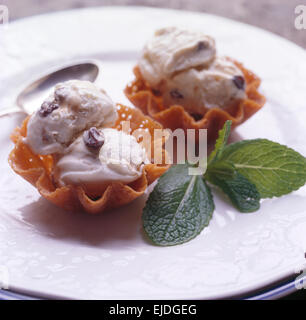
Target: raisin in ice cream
pixel 73 107
pixel 182 67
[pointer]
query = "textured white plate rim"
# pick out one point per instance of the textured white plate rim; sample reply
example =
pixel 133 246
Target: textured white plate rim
pixel 251 293
pixel 272 294
pixel 238 292
pixel 277 292
pixel 144 8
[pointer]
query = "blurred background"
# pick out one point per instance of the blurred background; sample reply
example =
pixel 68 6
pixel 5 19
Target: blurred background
pixel 274 15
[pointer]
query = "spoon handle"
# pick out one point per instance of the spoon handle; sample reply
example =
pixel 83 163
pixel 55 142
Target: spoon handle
pixel 8 111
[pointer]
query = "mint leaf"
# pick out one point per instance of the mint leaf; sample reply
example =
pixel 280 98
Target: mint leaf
pixel 240 190
pixel 222 169
pixel 221 142
pixel 274 169
pixel 178 208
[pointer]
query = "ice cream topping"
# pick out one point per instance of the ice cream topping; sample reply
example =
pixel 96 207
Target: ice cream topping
pixel 183 67
pixel 73 125
pixel 73 107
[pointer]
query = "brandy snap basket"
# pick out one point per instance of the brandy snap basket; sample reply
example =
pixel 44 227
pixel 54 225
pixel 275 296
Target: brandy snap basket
pixel 173 117
pixel 38 169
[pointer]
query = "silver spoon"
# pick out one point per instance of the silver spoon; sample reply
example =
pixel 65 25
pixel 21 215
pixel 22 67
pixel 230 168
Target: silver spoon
pixel 32 96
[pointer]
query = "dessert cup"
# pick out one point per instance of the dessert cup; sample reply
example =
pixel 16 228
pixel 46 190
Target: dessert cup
pixel 175 116
pixel 39 171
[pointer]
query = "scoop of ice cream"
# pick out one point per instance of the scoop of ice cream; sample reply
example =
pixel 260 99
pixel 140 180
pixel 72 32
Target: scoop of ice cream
pixel 101 156
pixel 73 107
pixel 218 86
pixel 182 66
pixel 172 50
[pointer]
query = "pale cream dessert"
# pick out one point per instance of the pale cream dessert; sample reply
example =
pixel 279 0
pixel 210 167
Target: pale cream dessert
pixel 73 107
pixel 182 67
pixel 101 156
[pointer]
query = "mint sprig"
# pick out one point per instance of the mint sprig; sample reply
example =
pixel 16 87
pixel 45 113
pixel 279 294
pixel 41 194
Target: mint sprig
pixel 222 173
pixel 178 208
pixel 181 205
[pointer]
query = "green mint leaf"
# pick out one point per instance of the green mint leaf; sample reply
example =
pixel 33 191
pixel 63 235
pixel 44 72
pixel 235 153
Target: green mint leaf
pixel 178 208
pixel 222 169
pixel 242 193
pixel 274 169
pixel 221 142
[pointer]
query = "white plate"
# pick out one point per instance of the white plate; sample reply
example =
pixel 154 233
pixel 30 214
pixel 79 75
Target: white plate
pixel 49 252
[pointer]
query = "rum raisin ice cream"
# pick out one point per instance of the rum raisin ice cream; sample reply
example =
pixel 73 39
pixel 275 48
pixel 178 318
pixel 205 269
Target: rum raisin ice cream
pixel 73 107
pixel 182 66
